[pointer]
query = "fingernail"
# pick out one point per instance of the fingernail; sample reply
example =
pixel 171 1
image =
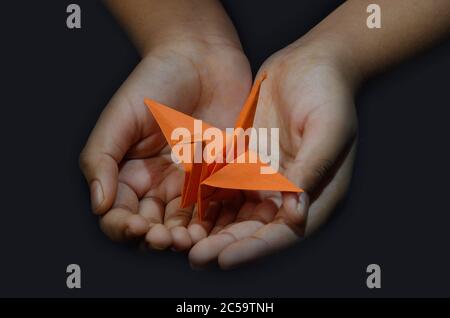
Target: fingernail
pixel 303 203
pixel 97 196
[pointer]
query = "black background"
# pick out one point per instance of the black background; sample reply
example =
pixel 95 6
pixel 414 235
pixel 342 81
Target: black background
pixel 56 81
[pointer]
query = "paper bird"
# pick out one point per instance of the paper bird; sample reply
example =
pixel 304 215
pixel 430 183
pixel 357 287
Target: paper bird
pixel 229 171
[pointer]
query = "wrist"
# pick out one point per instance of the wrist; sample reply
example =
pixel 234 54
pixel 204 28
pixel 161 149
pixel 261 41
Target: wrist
pixel 189 40
pixel 327 50
pixel 195 26
pixel 155 23
pixel 197 52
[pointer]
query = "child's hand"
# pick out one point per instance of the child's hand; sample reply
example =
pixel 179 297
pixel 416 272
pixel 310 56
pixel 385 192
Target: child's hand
pixel 307 96
pixel 135 187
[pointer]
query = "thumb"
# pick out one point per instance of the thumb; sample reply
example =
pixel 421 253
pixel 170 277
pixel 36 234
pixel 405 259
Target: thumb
pixel 324 143
pixel 101 173
pixel 108 143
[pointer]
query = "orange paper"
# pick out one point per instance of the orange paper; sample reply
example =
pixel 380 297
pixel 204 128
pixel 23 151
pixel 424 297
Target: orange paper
pixel 216 181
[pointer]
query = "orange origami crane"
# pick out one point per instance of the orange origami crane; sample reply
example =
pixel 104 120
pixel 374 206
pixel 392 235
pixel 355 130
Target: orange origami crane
pixel 220 179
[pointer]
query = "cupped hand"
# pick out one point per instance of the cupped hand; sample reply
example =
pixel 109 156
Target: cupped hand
pixel 308 95
pixel 135 187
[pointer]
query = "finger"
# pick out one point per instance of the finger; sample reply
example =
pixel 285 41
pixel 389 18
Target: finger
pixel 227 215
pixel 122 222
pixel 325 138
pixel 200 229
pixel 181 239
pixel 177 219
pixel 159 237
pixel 177 216
pixel 276 235
pixel 208 249
pixel 245 211
pixel 152 209
pixel 266 240
pixel 126 198
pixel 264 211
pixel 114 224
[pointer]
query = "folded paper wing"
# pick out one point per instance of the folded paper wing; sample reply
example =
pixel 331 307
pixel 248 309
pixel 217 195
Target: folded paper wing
pixel 241 176
pixel 218 179
pixel 168 120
